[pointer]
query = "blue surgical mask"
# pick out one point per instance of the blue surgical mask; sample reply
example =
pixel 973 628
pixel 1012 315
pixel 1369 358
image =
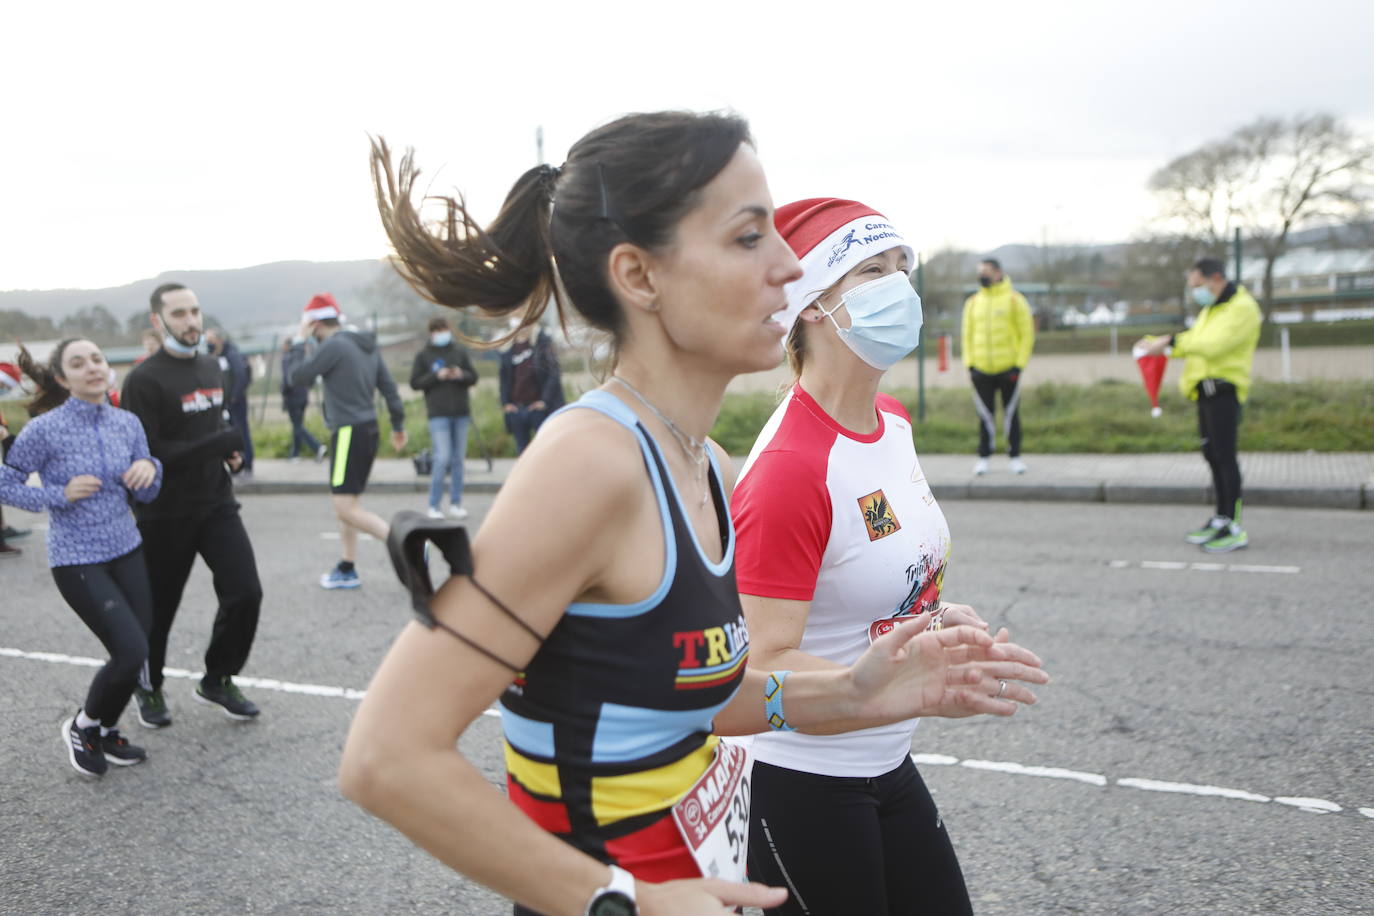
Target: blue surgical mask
pixel 884 320
pixel 178 347
pixel 1204 296
pixel 441 338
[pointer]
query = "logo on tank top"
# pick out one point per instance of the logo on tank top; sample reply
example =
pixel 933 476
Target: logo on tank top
pixel 878 517
pixel 711 657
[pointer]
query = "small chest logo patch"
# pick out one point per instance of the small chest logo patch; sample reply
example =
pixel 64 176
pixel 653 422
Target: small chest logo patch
pixel 878 517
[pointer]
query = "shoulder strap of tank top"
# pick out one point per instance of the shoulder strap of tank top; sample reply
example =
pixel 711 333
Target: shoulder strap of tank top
pixel 610 405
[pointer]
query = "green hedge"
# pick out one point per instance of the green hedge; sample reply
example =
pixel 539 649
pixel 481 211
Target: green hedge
pixel 1114 417
pixel 1108 416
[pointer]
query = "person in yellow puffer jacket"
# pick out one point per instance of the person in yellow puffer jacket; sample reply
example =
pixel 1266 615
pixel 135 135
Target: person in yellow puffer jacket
pixel 998 335
pixel 1217 353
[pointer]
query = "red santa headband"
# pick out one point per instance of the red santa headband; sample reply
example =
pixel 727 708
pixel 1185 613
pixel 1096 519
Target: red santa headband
pixel 830 236
pixel 9 375
pixel 322 306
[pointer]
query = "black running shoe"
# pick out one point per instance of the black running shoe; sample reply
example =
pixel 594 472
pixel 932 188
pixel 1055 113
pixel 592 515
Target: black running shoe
pixel 83 748
pixel 222 692
pixel 152 708
pixel 119 751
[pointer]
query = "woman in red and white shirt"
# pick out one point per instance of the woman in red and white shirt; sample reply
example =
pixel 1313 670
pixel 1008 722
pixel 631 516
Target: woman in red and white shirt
pixel 840 540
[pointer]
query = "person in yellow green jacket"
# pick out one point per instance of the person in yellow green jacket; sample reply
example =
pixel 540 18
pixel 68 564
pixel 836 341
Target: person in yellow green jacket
pixel 998 335
pixel 1217 353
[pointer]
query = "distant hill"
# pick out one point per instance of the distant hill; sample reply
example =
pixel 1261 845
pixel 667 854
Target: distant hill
pixel 1021 259
pixel 274 294
pixel 242 298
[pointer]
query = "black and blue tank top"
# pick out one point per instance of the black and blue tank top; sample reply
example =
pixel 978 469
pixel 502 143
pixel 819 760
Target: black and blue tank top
pixel 610 723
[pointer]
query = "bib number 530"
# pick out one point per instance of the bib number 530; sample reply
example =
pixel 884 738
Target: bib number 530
pixel 713 817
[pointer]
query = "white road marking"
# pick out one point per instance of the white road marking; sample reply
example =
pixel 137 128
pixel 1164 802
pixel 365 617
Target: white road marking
pixel 334 536
pixel 1020 769
pixel 1155 785
pixel 1314 805
pixel 934 760
pixel 262 683
pixel 1311 805
pixel 1178 565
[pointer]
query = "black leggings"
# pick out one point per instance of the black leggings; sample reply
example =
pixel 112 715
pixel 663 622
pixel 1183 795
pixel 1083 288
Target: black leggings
pixel 114 600
pixel 1218 423
pixel 844 846
pixel 218 535
pixel 985 390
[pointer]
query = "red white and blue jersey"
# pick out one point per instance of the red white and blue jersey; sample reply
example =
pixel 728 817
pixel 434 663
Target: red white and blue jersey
pixel 847 522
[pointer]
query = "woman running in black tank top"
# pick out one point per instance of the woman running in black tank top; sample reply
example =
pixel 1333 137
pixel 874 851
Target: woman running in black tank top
pixel 628 692
pixel 659 226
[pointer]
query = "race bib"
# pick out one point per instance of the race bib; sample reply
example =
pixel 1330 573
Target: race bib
pixel 886 625
pixel 713 817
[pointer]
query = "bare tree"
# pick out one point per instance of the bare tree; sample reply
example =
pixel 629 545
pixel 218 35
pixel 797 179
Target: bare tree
pixel 1268 178
pixel 1153 268
pixel 948 272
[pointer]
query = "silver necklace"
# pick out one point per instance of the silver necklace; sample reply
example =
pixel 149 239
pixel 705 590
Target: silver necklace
pixel 692 447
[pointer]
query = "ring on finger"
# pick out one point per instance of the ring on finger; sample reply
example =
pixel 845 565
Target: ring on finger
pixel 1001 689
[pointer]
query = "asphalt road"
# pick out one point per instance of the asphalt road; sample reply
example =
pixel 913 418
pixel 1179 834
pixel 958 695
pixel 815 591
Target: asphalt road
pixel 1252 679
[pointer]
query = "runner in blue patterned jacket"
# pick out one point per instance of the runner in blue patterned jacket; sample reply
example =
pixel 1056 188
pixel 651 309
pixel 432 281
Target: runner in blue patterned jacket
pixel 91 459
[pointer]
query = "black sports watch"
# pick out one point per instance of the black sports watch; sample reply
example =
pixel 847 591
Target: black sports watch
pixel 616 898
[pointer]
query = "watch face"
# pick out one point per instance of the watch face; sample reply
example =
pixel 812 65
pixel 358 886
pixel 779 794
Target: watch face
pixel 613 903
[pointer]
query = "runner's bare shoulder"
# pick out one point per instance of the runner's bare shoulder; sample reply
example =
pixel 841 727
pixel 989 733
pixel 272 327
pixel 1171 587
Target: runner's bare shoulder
pixel 582 467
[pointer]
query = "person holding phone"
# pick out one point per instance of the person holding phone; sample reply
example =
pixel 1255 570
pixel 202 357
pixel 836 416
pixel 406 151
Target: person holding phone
pixel 443 371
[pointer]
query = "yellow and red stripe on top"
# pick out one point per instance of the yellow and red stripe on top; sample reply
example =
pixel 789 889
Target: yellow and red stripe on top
pixel 714 676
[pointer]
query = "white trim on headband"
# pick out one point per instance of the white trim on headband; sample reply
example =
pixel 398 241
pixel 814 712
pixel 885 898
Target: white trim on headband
pixel 834 257
pixel 323 312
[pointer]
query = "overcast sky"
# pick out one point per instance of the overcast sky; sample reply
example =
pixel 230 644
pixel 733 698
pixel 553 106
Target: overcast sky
pixel 148 137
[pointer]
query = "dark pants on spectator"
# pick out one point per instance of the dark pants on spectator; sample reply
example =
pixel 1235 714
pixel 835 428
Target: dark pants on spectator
pixel 299 434
pixel 1218 424
pixel 112 599
pixel 523 424
pixel 985 390
pixel 844 846
pixel 238 418
pixel 217 534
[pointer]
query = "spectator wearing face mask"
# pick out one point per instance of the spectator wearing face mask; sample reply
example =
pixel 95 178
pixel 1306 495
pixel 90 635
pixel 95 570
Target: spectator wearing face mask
pixel 443 371
pixel 998 335
pixel 1217 353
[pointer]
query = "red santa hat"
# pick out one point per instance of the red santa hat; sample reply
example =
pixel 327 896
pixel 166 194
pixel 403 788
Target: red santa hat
pixel 9 376
pixel 830 236
pixel 322 306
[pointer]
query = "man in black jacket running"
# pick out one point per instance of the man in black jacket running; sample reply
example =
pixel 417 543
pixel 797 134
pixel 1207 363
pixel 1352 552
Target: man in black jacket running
pixel 177 393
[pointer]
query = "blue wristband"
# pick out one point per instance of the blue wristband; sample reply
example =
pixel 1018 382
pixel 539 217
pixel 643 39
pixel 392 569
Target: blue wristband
pixel 772 701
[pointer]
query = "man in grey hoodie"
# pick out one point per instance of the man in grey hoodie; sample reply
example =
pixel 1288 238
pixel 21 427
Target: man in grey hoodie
pixel 353 371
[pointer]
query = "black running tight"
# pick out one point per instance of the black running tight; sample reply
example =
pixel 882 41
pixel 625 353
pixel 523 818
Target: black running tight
pixel 844 846
pixel 1218 421
pixel 114 600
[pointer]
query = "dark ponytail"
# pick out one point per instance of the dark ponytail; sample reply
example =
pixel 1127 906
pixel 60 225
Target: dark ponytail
pixel 50 393
pixel 632 180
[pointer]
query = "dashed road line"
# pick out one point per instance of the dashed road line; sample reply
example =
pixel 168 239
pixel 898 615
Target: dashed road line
pixel 1179 565
pixel 1302 803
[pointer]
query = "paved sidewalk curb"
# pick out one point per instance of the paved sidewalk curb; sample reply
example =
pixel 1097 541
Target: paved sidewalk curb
pixel 1271 479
